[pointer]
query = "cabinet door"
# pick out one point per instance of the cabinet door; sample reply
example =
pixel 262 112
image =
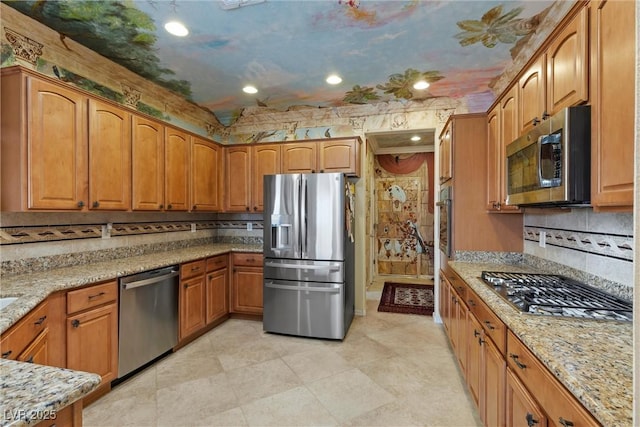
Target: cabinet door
pixel 217 297
pixel 509 131
pixel 109 157
pixel 445 154
pixel 475 357
pixel 246 290
pixel 493 159
pixel 192 306
pixel 568 65
pixel 147 165
pixel 299 158
pixel 532 96
pixel 339 156
pixel 612 116
pixel 176 161
pixel 522 409
pixel 493 389
pixel 206 162
pixel 38 350
pixel 461 327
pixel 238 169
pixel 57 165
pixel 92 342
pixel 266 161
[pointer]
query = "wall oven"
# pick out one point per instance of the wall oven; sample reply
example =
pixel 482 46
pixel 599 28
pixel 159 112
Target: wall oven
pixel 551 164
pixel 444 206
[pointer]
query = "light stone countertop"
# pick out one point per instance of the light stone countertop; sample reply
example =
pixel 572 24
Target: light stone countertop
pixel 593 359
pixel 30 393
pixel 27 389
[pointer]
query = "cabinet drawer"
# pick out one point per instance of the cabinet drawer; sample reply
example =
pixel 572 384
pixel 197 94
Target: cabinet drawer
pixel 555 400
pixel 217 262
pixel 191 269
pixel 92 296
pixel 491 324
pixel 459 285
pixel 16 340
pixel 248 259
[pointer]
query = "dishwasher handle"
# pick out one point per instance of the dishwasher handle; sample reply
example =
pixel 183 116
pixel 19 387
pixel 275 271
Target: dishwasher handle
pixel 150 281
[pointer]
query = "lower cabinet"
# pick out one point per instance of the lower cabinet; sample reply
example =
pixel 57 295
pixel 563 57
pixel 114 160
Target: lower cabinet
pixel 192 298
pixel 217 288
pixel 28 339
pixel 246 283
pixel 92 330
pixel 521 408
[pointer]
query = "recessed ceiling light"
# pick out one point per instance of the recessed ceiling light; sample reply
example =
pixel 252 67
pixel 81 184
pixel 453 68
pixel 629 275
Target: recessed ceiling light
pixel 420 85
pixel 415 138
pixel 176 28
pixel 249 89
pixel 334 79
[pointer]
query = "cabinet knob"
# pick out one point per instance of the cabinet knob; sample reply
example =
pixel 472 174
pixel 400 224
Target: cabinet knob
pixel 75 323
pixel 321 170
pixel 476 333
pixel 169 206
pixel 517 362
pixel 161 206
pixel 530 420
pixel 545 115
pixel 80 204
pixel 565 423
pixel 255 208
pixel 536 121
pixel 96 204
pixel 194 207
pixel 247 208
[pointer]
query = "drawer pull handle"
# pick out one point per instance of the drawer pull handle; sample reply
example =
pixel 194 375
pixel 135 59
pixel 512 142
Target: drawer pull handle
pixel 195 268
pixel 96 295
pixel 489 325
pixel 75 323
pixel 530 420
pixel 6 354
pixel 516 361
pixel 565 423
pixel 40 321
pixel 476 333
pixel 471 303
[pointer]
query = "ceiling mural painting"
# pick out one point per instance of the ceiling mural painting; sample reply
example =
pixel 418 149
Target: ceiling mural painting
pixel 287 49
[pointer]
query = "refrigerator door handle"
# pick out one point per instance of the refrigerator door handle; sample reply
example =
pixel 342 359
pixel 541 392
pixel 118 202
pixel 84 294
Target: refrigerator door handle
pixel 273 285
pixel 303 266
pixel 303 217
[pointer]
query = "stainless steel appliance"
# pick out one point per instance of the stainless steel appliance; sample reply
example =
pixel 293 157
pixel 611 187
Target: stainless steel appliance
pixel 551 165
pixel 308 255
pixel 148 325
pixel 554 295
pixel 444 205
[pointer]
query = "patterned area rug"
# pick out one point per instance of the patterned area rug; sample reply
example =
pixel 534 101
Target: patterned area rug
pixel 407 298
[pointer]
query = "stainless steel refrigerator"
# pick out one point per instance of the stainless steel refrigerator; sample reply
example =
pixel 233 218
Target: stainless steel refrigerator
pixel 308 255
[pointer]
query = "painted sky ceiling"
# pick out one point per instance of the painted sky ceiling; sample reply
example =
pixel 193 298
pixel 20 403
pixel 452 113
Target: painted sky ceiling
pixel 287 48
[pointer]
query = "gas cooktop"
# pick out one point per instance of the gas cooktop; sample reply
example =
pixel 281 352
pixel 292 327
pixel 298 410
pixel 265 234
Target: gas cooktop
pixel 554 295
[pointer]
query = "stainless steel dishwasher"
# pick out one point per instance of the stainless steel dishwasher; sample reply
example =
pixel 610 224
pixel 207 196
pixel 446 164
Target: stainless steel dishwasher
pixel 148 324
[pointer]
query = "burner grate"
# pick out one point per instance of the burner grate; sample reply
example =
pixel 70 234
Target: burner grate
pixel 556 295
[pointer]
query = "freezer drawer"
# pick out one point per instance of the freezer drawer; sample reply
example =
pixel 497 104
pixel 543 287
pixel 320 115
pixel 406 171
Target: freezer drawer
pixel 304 309
pixel 304 271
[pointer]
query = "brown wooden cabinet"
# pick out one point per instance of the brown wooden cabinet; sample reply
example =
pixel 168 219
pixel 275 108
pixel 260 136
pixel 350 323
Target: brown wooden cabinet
pixel 206 166
pixel 238 178
pixel 92 330
pixel 217 288
pixel 27 340
pixel 299 157
pixel 70 416
pixel 531 94
pixel 177 169
pixel 44 172
pixel 613 71
pixel 340 156
pixel 493 380
pixel 109 157
pixel 246 283
pixel 192 298
pixel 266 160
pixel 445 154
pixel 147 164
pixel 522 409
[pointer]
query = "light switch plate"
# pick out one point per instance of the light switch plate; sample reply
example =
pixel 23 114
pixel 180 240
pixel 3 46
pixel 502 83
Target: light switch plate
pixel 249 226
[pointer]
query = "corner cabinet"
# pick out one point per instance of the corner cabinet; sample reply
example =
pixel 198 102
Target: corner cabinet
pixel 613 71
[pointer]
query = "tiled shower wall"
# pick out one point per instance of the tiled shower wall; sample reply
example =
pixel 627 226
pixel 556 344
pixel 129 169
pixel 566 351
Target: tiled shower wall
pixel 601 244
pixel 39 242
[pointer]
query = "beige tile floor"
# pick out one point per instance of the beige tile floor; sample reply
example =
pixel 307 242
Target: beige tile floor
pixel 390 370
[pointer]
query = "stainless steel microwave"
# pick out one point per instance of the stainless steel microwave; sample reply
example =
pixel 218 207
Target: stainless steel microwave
pixel 551 165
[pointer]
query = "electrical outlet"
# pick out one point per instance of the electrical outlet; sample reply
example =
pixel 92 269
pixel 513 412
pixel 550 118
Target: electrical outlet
pixel 106 231
pixel 193 227
pixel 543 239
pixel 249 226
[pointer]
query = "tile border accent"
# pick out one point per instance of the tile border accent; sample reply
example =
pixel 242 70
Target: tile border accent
pixel 618 246
pixel 50 233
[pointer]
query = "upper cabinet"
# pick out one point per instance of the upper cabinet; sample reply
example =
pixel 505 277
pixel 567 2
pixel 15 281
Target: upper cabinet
pixel 299 157
pixel 177 171
pixel 445 154
pixel 206 162
pixel 612 105
pixel 109 157
pixel 322 156
pixel 45 172
pixel 147 165
pixel 558 77
pixel 266 161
